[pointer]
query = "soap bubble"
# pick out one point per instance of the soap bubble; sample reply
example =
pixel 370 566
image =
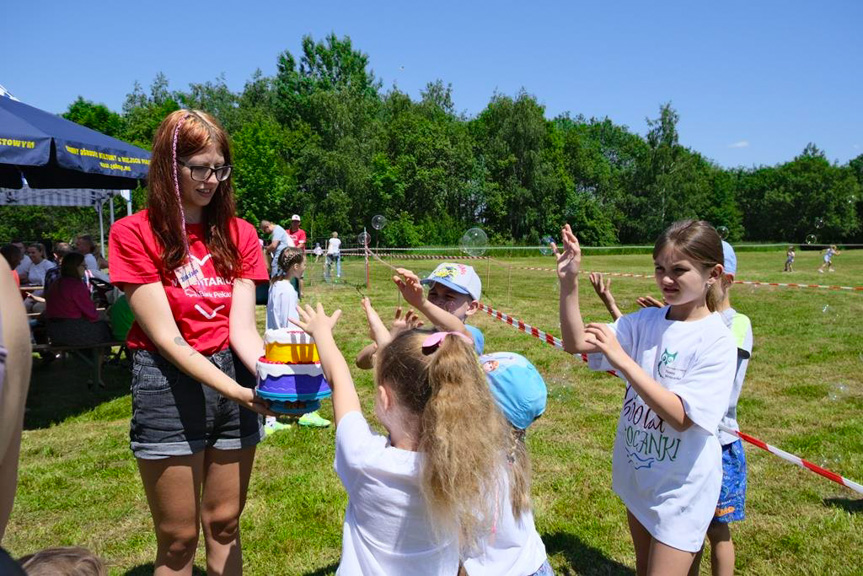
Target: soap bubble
pixel 364 239
pixel 474 242
pixel 837 391
pixel 819 223
pixel 722 231
pixel 545 248
pixel 379 221
pixel 852 199
pixel 826 308
pixel 811 239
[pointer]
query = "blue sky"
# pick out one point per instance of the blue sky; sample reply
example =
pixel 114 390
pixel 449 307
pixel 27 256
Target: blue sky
pixel 753 81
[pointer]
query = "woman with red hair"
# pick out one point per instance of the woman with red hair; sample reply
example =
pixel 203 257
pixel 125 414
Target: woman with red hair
pixel 188 267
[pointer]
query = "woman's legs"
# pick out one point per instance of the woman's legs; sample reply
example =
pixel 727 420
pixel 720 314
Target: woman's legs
pixel 721 549
pixel 641 539
pixel 226 482
pixel 173 486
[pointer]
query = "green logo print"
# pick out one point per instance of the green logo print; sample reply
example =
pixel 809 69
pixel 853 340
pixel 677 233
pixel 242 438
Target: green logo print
pixel 665 360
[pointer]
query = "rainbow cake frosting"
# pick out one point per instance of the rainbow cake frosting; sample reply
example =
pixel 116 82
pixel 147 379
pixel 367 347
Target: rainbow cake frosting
pixel 290 372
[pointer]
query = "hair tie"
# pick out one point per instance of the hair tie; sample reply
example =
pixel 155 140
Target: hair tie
pixel 434 340
pixel 177 182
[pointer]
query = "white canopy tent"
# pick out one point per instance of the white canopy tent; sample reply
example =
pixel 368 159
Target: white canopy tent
pixel 68 197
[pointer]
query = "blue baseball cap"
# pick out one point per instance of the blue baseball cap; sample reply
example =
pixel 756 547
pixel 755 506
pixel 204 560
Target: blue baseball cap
pixel 517 387
pixel 730 258
pixel 459 277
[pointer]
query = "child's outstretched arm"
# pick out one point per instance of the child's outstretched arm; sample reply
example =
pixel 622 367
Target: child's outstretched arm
pixel 568 266
pixel 603 290
pixel 319 326
pixel 366 357
pixel 661 400
pixel 412 291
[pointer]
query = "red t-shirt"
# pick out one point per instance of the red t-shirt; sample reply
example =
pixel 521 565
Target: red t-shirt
pixel 299 238
pixel 69 298
pixel 201 311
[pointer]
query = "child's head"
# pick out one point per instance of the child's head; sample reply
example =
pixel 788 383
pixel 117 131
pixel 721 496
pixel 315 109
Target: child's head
pixel 70 561
pixel 292 262
pixel 455 288
pixel 520 393
pixel 432 387
pixel 688 262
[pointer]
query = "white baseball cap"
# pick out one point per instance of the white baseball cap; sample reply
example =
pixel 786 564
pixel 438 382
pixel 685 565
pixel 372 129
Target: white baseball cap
pixel 459 277
pixel 295 217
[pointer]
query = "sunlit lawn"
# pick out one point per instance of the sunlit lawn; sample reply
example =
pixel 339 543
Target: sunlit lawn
pixel 804 393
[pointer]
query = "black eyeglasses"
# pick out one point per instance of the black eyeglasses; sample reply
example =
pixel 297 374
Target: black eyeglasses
pixel 202 173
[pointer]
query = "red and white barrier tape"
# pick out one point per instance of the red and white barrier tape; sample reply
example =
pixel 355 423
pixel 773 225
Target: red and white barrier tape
pixel 557 343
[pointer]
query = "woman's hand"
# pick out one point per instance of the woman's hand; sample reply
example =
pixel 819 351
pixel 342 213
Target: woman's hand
pixel 603 289
pixel 248 399
pixel 649 302
pixel 315 322
pixel 410 286
pixel 602 337
pixel 568 261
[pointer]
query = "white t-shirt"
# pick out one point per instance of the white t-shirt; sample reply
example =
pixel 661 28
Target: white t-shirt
pixel 92 265
pixel 387 529
pixel 742 333
pixel 282 305
pixel 670 480
pixel 24 266
pixel 514 549
pixel 36 272
pixel 333 245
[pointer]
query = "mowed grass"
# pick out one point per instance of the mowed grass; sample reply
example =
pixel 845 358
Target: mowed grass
pixel 804 392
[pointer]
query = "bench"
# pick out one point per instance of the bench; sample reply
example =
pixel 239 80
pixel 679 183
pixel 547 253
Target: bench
pixel 94 359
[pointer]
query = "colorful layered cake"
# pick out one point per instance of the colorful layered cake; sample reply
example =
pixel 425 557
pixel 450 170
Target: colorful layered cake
pixel 290 374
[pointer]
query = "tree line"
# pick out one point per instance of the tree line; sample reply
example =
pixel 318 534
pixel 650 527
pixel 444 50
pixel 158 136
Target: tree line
pixel 322 138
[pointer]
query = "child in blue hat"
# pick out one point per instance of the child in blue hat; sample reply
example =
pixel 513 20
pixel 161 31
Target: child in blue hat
pixel 514 547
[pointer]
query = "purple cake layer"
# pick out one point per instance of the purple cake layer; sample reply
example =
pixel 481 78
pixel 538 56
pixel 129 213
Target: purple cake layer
pixel 294 387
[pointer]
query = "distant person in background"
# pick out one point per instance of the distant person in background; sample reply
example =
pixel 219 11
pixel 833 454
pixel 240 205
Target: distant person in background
pixel 279 240
pixel 60 250
pixel 318 251
pixel 828 259
pixel 334 256
pixel 72 315
pixel 15 365
pixel 39 265
pixel 24 264
pixel 789 259
pixel 93 260
pixel 12 254
pixel 298 235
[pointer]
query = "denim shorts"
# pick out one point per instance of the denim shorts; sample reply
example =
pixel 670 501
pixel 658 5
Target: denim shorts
pixel 174 415
pixel 544 570
pixel 732 498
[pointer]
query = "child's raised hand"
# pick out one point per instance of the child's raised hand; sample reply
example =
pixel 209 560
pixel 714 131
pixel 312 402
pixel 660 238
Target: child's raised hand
pixel 649 302
pixel 603 290
pixel 568 261
pixel 601 336
pixel 377 331
pixel 409 285
pixel 315 322
pixel 401 323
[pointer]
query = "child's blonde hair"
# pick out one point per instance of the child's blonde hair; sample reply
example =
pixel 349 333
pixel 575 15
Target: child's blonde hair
pixel 461 433
pixel 68 561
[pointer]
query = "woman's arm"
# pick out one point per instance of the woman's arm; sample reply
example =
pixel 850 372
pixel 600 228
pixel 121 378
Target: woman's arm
pixel 153 313
pixel 575 340
pixel 245 338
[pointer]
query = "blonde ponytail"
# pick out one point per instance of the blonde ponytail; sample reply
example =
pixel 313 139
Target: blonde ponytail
pixel 462 434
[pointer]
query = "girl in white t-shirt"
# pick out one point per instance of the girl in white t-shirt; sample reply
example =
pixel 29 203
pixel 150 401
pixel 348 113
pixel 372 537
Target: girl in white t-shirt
pixel 679 363
pixel 426 488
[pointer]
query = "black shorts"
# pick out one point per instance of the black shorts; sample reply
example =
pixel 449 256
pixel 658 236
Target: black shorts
pixel 174 415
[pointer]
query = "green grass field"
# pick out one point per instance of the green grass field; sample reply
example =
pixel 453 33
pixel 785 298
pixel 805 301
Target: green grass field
pixel 804 393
